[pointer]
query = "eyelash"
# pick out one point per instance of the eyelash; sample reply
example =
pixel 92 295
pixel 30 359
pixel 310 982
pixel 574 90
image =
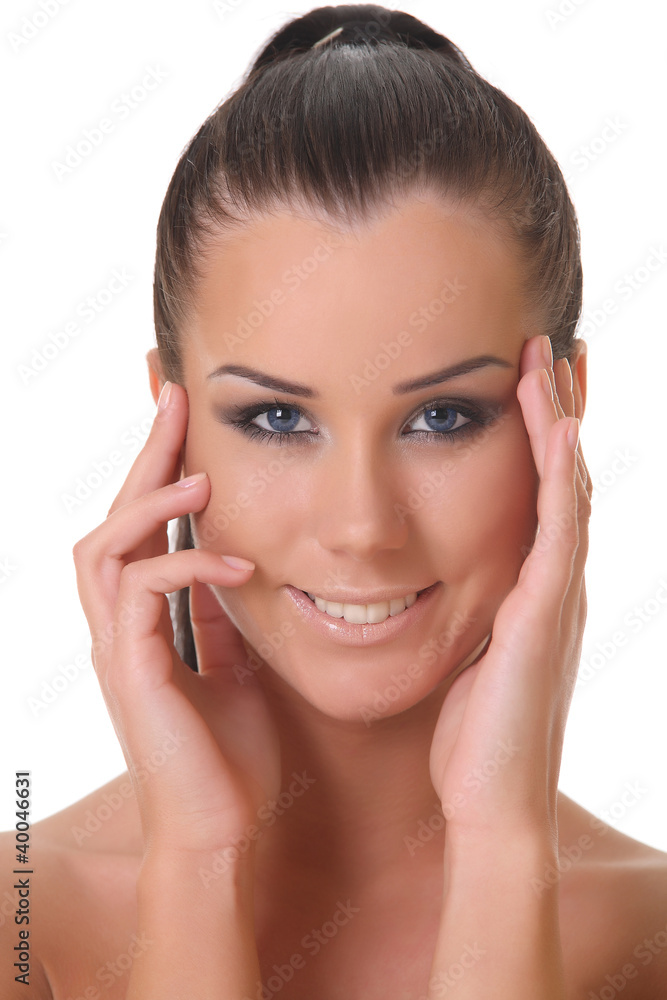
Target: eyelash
pixel 244 416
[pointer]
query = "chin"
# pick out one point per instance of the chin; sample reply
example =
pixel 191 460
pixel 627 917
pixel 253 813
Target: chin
pixel 364 686
pixel 298 656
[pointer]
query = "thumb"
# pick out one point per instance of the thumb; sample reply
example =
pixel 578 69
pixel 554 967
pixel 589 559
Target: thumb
pixel 217 640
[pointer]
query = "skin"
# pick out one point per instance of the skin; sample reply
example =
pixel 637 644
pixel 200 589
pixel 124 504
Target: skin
pixel 336 498
pixel 327 520
pixel 329 514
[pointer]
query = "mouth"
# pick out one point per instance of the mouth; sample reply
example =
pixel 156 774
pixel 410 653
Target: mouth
pixel 352 624
pixel 371 613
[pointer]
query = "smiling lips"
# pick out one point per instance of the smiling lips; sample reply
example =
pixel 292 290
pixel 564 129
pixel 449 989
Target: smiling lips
pixel 365 614
pixel 372 623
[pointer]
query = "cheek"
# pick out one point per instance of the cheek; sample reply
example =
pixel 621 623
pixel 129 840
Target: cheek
pixel 473 507
pixel 482 518
pixel 503 503
pixel 248 490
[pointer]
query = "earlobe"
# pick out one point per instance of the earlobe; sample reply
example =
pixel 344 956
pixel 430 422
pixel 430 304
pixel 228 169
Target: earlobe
pixel 579 357
pixel 155 375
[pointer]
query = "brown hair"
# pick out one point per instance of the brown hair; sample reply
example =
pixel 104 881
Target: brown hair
pixel 337 123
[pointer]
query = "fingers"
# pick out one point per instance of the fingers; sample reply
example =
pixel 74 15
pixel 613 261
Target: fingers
pixel 217 640
pixel 100 555
pixel 140 664
pixel 536 355
pixel 159 461
pixel 565 394
pixel 563 385
pixel 535 394
pixel 550 566
pixel 548 404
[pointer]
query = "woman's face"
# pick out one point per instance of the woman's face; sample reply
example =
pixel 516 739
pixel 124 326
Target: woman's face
pixel 371 472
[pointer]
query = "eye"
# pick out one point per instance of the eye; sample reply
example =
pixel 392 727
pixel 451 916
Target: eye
pixel 280 422
pixel 281 419
pixel 440 419
pixel 272 423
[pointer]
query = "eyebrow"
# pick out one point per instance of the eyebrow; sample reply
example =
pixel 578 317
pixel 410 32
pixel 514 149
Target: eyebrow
pixel 452 371
pixel 262 378
pixel 413 385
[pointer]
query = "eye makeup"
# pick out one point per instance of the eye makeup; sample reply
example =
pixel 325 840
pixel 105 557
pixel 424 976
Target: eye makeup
pixel 457 418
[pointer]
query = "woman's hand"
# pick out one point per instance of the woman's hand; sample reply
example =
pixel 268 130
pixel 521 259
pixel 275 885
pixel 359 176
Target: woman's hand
pixel 201 749
pixel 496 751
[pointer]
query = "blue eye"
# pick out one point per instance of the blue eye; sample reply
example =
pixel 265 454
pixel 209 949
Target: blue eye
pixel 275 423
pixel 279 422
pixel 443 419
pixel 281 419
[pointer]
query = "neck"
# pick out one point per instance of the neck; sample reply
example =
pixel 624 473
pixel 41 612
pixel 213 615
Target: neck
pixel 361 794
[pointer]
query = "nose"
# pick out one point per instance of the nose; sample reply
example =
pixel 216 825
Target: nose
pixel 357 509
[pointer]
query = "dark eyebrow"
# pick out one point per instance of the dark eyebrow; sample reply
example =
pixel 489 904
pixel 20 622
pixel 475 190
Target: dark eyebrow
pixel 298 389
pixel 261 378
pixel 443 374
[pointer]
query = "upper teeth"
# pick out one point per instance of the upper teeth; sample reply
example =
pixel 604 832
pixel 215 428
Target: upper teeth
pixel 365 614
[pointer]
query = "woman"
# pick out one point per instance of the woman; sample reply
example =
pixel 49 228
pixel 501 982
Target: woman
pixel 369 393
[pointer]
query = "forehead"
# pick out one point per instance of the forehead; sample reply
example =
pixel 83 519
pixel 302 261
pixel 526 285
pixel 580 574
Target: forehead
pixel 291 288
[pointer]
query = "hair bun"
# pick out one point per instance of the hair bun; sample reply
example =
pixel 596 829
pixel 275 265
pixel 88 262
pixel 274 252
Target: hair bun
pixel 354 24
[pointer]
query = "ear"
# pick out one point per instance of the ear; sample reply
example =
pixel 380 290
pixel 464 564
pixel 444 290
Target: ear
pixel 578 365
pixel 155 376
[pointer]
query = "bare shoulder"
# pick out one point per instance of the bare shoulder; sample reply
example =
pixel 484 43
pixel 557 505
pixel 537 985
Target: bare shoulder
pixel 613 904
pixel 84 862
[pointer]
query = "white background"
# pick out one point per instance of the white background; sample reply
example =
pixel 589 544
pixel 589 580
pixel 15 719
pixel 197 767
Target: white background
pixel 61 239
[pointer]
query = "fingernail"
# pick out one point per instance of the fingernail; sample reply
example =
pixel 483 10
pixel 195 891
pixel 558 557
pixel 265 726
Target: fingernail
pixel 547 353
pixel 573 432
pixel 237 563
pixel 163 399
pixel 191 480
pixel 565 369
pixel 546 384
